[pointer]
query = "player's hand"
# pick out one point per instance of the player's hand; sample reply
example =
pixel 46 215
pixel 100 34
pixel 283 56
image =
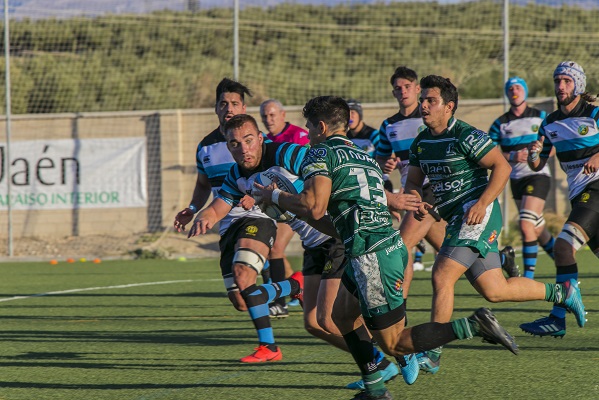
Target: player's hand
pixel 183 218
pixel 199 227
pixel 475 214
pixel 422 211
pixel 592 165
pixel 521 156
pixel 536 146
pixel 247 202
pixel 263 194
pixel 403 202
pixel 390 165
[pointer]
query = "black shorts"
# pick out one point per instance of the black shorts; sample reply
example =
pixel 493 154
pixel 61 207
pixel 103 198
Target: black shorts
pixel 325 259
pixel 263 230
pixel 533 185
pixel 585 212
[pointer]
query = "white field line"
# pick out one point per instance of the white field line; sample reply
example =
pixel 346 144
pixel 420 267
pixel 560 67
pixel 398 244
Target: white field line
pixel 104 288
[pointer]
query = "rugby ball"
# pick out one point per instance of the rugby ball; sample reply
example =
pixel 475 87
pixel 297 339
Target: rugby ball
pixel 285 181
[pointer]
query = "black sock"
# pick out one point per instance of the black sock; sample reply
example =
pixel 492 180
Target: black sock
pixel 277 274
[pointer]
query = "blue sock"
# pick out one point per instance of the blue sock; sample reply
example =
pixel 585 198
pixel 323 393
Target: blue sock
pixel 564 274
pixel 256 300
pixel 530 252
pixel 418 256
pixel 548 247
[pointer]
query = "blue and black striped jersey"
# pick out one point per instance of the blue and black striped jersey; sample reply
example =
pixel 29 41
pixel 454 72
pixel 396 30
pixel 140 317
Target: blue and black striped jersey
pixel 514 133
pixel 576 138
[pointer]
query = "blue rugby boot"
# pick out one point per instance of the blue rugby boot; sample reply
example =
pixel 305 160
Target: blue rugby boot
pixel 408 365
pixel 546 326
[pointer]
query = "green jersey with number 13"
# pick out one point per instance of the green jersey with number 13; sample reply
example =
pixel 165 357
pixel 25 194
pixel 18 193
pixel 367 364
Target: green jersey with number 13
pixel 358 205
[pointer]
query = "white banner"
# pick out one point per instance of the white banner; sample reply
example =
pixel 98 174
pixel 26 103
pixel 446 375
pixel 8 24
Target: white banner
pixel 66 174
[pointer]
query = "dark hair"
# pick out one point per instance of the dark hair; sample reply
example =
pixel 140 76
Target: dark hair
pixel 230 86
pixel 405 73
pixel 239 120
pixel 332 110
pixel 448 90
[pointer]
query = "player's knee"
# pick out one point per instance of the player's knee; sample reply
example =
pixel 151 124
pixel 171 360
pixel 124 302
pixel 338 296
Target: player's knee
pixel 326 323
pixel 530 220
pixel 569 240
pixel 493 296
pixel 249 258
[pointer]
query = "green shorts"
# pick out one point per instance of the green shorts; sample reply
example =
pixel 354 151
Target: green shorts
pixel 482 237
pixel 378 278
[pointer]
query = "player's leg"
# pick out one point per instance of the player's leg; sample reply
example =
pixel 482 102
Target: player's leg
pixel 346 316
pixel 532 192
pixel 278 267
pixel 580 228
pixel 252 238
pixel 412 232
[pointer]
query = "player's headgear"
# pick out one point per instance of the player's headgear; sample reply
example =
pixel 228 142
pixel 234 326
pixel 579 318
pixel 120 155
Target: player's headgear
pixel 574 71
pixel 516 80
pixel 356 106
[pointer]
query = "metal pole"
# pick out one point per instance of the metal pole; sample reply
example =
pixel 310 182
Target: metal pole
pixel 236 41
pixel 506 104
pixel 8 130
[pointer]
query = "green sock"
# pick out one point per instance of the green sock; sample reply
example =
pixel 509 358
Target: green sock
pixel 555 293
pixel 374 383
pixel 464 328
pixel 434 354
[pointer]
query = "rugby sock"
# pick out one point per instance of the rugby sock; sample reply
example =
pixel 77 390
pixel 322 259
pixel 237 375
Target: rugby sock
pixel 256 300
pixel 380 359
pixel 431 335
pixel 266 273
pixel 277 274
pixel 548 247
pixel 564 274
pixel 418 255
pixel 530 251
pixel 361 349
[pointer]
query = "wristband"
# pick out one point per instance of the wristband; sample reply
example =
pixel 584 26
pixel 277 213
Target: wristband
pixel 511 156
pixel 193 208
pixel 275 196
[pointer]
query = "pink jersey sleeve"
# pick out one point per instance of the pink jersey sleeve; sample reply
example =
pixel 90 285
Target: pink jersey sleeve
pixel 292 134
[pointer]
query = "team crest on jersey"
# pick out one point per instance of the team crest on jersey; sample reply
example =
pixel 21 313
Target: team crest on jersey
pixel 493 236
pixel 535 128
pixel 398 284
pixel 585 197
pixel 552 134
pixel 529 189
pixel 450 150
pixel 251 230
pixel 583 130
pixel 206 159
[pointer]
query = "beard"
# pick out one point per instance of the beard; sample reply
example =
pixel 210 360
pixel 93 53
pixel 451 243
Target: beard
pixel 569 99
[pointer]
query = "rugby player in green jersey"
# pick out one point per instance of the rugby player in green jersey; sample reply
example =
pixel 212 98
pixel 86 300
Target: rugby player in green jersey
pixel 345 181
pixel 456 158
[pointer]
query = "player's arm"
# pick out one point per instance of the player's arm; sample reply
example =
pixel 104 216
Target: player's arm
pixel 498 178
pixel 209 216
pixel 201 193
pixel 414 183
